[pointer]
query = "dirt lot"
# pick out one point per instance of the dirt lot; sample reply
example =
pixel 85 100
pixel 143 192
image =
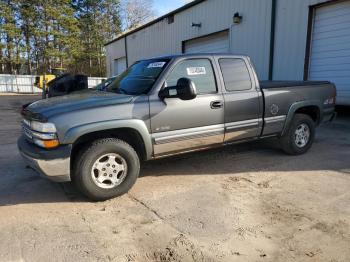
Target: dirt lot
pixel 241 203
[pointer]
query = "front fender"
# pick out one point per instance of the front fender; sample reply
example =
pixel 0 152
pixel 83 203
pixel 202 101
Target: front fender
pixel 295 106
pixel 75 132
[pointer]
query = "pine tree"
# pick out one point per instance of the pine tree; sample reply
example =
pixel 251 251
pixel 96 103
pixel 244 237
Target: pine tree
pixel 99 21
pixel 10 34
pixel 58 31
pixel 28 25
pixel 36 36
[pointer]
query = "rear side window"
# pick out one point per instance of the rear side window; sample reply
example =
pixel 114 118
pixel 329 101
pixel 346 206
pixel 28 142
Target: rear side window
pixel 236 74
pixel 200 71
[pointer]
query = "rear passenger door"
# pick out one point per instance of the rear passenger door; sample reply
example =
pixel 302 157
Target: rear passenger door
pixel 242 100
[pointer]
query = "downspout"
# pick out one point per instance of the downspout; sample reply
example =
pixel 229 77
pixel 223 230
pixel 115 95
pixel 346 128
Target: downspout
pixel 272 38
pixel 126 52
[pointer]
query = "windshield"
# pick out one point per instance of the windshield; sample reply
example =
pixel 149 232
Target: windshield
pixel 139 78
pixel 103 85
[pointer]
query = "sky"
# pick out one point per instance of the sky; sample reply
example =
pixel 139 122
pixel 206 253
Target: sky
pixel 165 6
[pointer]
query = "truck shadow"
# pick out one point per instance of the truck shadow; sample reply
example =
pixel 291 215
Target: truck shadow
pixel 252 157
pixel 25 186
pixel 331 151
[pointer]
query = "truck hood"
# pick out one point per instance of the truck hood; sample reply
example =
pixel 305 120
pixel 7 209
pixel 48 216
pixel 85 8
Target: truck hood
pixel 47 108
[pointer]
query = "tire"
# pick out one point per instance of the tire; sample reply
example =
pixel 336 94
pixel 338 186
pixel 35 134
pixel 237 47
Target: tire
pixel 121 167
pixel 292 141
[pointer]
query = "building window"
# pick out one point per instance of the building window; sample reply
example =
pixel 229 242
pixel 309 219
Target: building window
pixel 170 19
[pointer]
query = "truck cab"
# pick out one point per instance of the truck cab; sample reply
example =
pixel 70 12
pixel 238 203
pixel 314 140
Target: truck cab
pixel 219 113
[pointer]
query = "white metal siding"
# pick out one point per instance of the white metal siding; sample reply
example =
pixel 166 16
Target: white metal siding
pixel 25 83
pixel 218 42
pixel 18 83
pixel 94 81
pixel 290 38
pixel 330 49
pixel 251 37
pixel 119 66
pixel 114 51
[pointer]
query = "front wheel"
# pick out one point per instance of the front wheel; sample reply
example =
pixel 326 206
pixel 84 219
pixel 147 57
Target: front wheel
pixel 300 135
pixel 107 168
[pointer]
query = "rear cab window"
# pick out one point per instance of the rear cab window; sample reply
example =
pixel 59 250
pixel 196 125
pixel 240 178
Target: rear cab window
pixel 235 74
pixel 200 71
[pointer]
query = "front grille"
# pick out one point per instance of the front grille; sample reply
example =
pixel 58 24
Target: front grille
pixel 26 122
pixel 26 131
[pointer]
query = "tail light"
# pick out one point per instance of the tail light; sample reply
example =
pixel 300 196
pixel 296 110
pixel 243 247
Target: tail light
pixel 334 94
pixel 331 100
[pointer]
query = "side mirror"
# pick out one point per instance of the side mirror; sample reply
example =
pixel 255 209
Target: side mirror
pixel 185 89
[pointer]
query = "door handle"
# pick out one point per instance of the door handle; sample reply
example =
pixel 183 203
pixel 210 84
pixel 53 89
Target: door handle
pixel 216 104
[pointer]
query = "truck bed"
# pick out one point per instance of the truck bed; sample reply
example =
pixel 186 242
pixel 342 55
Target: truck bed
pixel 279 84
pixel 279 96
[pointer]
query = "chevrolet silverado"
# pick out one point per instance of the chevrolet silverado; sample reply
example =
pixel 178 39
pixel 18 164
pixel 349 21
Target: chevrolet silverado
pixel 165 106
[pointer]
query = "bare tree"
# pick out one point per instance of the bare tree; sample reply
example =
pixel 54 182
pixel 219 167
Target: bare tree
pixel 136 13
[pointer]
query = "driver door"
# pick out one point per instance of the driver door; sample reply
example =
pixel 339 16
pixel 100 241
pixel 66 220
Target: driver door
pixel 178 125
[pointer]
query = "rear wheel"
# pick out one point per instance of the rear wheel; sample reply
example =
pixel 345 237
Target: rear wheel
pixel 107 168
pixel 300 135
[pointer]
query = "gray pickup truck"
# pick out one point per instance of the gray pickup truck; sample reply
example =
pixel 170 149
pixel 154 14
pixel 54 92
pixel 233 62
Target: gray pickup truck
pixel 165 106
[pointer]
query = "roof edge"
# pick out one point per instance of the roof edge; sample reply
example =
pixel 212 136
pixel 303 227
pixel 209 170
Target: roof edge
pixel 176 11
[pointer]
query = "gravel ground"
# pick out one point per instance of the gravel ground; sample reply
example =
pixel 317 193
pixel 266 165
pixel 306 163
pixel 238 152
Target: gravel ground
pixel 239 203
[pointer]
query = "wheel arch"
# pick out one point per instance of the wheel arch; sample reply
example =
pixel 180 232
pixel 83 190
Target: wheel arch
pixel 310 108
pixel 134 132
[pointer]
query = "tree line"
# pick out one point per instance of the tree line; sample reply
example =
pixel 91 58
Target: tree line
pixel 39 35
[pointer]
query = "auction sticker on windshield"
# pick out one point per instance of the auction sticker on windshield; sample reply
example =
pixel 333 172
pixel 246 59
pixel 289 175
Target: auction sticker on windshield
pixel 156 65
pixel 192 71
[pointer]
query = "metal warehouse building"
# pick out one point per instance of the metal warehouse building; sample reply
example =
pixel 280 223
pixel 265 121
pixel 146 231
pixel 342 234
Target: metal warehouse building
pixel 286 39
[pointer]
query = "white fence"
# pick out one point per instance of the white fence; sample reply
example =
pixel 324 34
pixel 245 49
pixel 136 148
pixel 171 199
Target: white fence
pixel 25 83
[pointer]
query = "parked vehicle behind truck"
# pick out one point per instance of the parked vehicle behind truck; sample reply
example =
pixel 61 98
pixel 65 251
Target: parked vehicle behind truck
pixel 165 106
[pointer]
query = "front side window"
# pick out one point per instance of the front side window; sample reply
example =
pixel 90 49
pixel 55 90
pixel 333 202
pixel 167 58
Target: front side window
pixel 200 71
pixel 139 78
pixel 235 73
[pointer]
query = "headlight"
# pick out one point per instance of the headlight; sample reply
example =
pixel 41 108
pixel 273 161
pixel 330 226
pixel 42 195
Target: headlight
pixel 41 134
pixel 44 136
pixel 43 127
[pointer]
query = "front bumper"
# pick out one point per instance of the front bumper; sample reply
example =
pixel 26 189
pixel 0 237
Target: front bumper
pixel 53 164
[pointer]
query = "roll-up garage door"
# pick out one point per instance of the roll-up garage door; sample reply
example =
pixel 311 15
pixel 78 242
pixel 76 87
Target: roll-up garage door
pixel 330 48
pixel 214 43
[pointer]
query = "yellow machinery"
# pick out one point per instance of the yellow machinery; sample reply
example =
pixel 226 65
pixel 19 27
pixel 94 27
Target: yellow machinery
pixel 55 72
